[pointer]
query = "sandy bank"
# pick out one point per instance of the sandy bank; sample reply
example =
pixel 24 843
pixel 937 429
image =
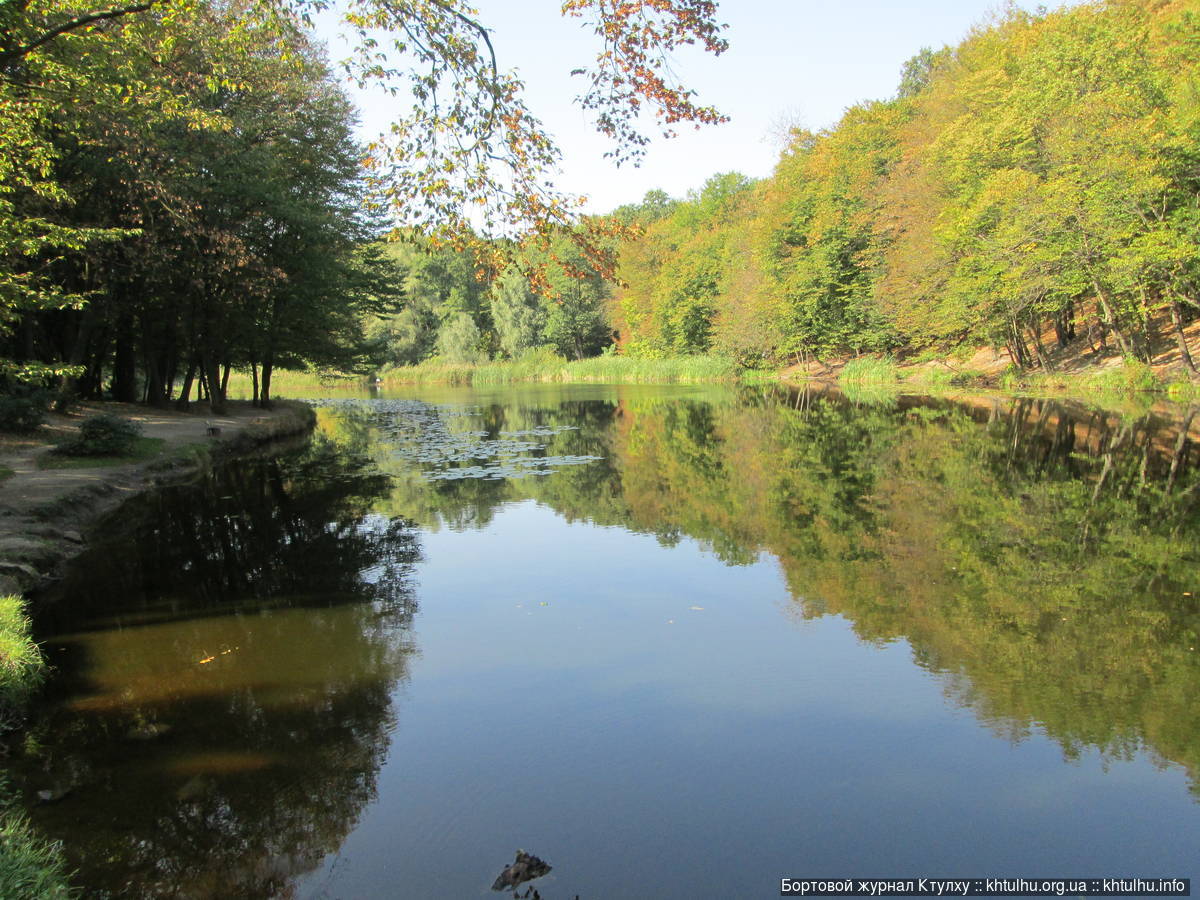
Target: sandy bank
pixel 45 512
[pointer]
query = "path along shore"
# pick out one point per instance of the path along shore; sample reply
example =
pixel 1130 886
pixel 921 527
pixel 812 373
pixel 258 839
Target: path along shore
pixel 45 513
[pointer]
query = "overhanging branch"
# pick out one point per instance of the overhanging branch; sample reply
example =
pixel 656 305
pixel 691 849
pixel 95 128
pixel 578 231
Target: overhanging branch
pixel 9 56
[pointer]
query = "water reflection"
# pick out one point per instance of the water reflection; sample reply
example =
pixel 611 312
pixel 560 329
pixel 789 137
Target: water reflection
pixel 1041 556
pixel 228 655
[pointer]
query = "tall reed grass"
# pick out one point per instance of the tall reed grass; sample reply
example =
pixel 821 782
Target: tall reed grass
pixel 543 365
pixel 1130 378
pixel 870 370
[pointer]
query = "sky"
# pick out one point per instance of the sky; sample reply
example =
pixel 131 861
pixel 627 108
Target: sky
pixel 790 62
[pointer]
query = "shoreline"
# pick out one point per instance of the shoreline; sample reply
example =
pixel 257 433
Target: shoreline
pixel 46 513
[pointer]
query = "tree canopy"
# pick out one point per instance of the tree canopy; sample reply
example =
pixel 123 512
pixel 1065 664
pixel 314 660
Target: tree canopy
pixel 181 191
pixel 1040 175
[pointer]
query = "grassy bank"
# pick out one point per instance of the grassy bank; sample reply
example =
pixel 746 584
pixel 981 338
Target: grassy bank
pixel 870 370
pixel 535 366
pixel 285 383
pixel 30 866
pixel 22 667
pixel 547 367
pixel 1128 379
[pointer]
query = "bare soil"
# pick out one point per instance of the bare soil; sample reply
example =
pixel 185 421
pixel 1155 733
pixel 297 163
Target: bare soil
pixel 45 513
pixel 1082 356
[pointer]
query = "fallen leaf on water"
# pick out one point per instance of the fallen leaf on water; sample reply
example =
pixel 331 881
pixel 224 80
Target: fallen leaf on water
pixel 696 607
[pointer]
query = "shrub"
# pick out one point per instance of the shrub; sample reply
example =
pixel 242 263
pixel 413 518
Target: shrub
pixel 104 435
pixel 23 408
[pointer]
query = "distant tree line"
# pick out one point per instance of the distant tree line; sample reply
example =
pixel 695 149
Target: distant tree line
pixel 549 299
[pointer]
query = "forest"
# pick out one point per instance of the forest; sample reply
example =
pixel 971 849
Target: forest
pixel 184 196
pixel 1042 175
pixel 183 191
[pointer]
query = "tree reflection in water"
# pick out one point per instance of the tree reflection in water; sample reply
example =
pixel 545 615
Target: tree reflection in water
pixel 229 653
pixel 228 656
pixel 1041 556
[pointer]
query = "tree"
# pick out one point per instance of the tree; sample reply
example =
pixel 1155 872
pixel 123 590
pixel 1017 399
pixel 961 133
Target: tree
pixel 237 209
pixel 459 339
pixel 121 128
pixel 519 315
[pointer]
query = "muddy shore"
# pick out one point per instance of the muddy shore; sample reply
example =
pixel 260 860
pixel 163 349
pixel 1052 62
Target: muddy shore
pixel 45 513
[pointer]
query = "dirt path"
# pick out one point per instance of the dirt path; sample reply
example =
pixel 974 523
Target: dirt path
pixel 45 513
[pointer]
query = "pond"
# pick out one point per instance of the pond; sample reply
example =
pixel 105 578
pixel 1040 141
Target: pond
pixel 675 641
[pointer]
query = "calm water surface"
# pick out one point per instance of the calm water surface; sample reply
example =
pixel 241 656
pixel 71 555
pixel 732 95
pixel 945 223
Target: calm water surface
pixel 677 642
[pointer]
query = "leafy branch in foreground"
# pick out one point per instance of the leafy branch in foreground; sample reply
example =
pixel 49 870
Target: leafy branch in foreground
pixel 469 158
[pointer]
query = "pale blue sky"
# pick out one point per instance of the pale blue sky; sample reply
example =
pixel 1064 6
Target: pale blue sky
pixel 789 62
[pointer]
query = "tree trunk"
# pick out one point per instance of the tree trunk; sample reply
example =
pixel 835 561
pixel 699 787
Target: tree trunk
pixel 212 376
pixel 254 382
pixel 125 365
pixel 1111 321
pixel 1018 351
pixel 1043 357
pixel 156 379
pixel 67 386
pixel 172 372
pixel 264 395
pixel 185 392
pixel 1177 323
pixel 1064 325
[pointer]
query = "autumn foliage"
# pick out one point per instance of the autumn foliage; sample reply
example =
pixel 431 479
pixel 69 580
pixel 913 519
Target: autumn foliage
pixel 1042 176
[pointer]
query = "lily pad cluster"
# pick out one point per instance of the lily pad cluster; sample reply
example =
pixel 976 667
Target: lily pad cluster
pixel 449 446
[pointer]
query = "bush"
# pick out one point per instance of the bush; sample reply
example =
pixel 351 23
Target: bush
pixel 104 435
pixel 23 408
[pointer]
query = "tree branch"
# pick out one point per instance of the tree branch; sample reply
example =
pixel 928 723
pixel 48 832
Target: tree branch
pixel 16 53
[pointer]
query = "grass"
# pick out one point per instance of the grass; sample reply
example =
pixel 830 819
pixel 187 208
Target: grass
pixel 1132 377
pixel 286 383
pixel 30 866
pixel 542 365
pixel 870 370
pixel 144 448
pixel 22 666
pixel 1183 390
pixel 942 377
pixel 6 473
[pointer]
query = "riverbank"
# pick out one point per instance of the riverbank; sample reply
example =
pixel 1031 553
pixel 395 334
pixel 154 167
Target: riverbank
pixel 1081 368
pixel 533 367
pixel 47 502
